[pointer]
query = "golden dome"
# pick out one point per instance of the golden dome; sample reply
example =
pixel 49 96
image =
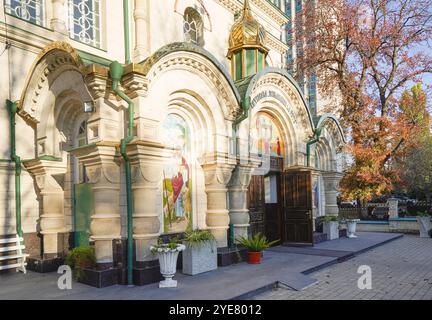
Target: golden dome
pixel 246 32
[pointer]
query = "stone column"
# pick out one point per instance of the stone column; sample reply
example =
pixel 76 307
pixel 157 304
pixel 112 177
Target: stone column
pixel 331 183
pixel 393 208
pixel 141 50
pixel 101 162
pixel 147 161
pixel 217 177
pixel 237 195
pixel 57 22
pixel 49 176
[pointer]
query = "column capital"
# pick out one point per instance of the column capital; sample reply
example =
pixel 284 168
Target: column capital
pixel 134 81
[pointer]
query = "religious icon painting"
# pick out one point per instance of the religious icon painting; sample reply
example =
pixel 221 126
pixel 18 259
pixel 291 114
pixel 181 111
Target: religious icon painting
pixel 177 182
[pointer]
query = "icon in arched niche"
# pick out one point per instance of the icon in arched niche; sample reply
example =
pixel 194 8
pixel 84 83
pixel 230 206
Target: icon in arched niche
pixel 177 182
pixel 266 137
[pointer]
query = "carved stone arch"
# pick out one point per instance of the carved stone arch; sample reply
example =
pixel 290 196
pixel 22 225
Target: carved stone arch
pixel 283 82
pixel 197 114
pixel 53 60
pixel 194 59
pixel 55 78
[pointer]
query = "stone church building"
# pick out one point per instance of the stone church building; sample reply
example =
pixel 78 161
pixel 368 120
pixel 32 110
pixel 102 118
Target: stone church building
pixel 199 125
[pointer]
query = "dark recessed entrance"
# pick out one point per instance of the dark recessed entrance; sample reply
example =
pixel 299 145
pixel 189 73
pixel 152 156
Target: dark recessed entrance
pixel 280 205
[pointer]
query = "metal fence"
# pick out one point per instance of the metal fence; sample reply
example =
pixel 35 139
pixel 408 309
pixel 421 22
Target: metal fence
pixel 405 209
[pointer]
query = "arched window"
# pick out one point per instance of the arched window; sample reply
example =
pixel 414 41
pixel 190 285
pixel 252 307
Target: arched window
pixel 177 176
pixel 193 27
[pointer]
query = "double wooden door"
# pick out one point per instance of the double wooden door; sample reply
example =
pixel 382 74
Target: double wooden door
pixel 280 206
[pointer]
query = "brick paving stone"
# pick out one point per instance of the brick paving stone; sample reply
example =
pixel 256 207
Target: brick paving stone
pixel 401 270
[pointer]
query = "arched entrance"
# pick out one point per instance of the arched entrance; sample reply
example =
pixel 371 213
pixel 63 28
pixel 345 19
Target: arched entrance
pixel 264 196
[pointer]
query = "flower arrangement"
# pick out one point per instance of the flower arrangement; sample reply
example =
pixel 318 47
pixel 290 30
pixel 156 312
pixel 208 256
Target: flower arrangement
pixel 171 246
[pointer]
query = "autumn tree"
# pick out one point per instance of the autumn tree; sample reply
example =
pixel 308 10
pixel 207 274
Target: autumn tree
pixel 365 54
pixel 415 167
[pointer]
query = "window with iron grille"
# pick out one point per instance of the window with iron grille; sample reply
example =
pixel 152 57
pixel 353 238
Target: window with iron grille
pixel 29 10
pixel 84 21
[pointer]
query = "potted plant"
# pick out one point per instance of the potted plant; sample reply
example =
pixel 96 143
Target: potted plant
pixel 80 258
pixel 200 254
pixel 255 246
pixel 351 227
pixel 168 254
pixel 424 221
pixel 331 227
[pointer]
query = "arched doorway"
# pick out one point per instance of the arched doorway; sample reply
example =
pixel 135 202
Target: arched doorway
pixel 264 196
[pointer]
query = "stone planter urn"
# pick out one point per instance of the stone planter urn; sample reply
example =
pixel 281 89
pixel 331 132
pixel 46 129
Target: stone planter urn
pixel 200 258
pixel 331 228
pixel 424 223
pixel 351 227
pixel 168 263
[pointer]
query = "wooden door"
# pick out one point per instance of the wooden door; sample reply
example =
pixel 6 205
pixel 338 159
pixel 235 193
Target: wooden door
pixel 256 204
pixel 297 208
pixel 272 214
pixel 83 210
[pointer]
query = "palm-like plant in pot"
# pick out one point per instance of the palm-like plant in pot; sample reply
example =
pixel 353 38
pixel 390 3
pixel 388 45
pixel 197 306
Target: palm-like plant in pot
pixel 255 246
pixel 200 254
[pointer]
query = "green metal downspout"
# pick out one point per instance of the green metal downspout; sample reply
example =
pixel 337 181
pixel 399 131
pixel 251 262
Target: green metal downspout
pixel 116 71
pixel 13 108
pixel 126 31
pixel 315 139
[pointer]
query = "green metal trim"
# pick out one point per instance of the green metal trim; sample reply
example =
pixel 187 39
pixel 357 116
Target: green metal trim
pixel 89 58
pixel 13 108
pixel 189 47
pixel 116 72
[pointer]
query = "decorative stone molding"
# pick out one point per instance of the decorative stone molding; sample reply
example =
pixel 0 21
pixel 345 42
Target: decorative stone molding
pixel 217 176
pixel 55 58
pixel 49 177
pixel 147 161
pixel 135 83
pixel 275 14
pixel 103 170
pixel 300 109
pixel 201 66
pixel 96 79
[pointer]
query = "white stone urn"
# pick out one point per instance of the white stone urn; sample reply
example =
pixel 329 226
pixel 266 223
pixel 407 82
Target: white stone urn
pixel 424 223
pixel 351 227
pixel 168 263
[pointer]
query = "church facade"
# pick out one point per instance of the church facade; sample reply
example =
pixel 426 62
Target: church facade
pixel 200 125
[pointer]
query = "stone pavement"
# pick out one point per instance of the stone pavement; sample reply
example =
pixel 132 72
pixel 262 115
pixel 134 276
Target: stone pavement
pixel 401 269
pixel 237 281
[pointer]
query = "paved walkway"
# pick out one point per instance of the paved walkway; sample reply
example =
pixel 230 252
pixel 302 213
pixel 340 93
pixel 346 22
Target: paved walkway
pixel 401 269
pixel 236 281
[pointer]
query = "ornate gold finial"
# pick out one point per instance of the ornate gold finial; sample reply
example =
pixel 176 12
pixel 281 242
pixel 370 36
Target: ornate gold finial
pixel 246 32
